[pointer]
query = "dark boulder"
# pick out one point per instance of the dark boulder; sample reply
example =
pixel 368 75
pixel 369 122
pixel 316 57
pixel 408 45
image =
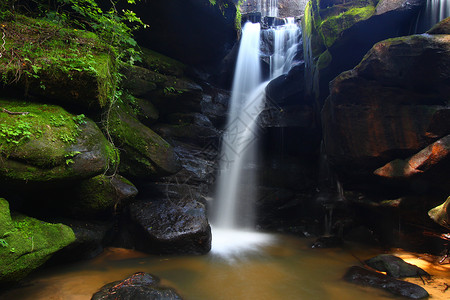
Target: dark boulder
pixel 364 277
pixel 395 266
pixel 171 227
pixel 139 286
pixel 385 108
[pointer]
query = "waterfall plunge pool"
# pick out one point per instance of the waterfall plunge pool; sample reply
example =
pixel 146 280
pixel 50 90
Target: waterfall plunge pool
pixel 285 268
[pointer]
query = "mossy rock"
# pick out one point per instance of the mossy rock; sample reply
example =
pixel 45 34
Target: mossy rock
pixel 48 144
pixel 66 66
pixel 100 195
pixel 162 64
pixel 442 27
pixel 26 243
pixel 143 152
pixel 332 27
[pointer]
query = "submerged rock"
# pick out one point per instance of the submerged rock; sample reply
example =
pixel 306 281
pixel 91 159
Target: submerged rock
pixel 171 227
pixel 139 286
pixel 365 277
pixel 441 214
pixel 395 266
pixel 27 243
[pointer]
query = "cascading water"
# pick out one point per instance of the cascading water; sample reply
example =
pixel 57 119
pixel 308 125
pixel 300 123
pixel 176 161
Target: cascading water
pixel 285 47
pixel 233 211
pixel 434 12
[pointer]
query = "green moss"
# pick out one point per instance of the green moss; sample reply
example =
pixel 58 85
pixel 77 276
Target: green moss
pixel 324 60
pixel 42 124
pixel 162 64
pixel 57 63
pixel 332 27
pixel 28 243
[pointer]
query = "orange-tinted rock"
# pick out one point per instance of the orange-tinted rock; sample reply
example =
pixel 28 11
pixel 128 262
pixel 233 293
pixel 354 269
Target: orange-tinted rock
pixel 441 214
pixel 420 163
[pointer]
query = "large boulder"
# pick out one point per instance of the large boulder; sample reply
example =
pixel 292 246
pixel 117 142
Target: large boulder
pixel 27 243
pixel 69 67
pixel 140 286
pixel 171 226
pixel 48 144
pixel 392 105
pixel 337 34
pixel 143 152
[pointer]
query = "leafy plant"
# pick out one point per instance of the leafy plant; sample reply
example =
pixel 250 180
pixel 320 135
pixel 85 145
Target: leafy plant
pixel 3 243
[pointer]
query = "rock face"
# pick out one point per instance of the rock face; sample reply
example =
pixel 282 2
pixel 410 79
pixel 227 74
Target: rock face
pixel 365 277
pixel 179 23
pixel 337 34
pixel 395 266
pixel 385 108
pixel 27 243
pixel 166 227
pixel 138 286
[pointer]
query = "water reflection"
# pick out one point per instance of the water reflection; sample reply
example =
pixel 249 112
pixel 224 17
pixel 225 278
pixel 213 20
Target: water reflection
pixel 285 269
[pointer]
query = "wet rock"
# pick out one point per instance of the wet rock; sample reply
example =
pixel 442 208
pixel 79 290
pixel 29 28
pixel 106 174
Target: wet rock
pixel 395 266
pixel 139 286
pixel 145 111
pixel 171 226
pixel 328 242
pixel 287 89
pixel 385 108
pixel 90 238
pixel 140 81
pixel 364 277
pixel 441 214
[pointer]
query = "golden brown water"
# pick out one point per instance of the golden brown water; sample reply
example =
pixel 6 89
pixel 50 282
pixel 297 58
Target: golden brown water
pixel 287 270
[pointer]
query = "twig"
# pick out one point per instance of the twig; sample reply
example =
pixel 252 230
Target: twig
pixel 13 112
pixel 446 287
pixel 4 42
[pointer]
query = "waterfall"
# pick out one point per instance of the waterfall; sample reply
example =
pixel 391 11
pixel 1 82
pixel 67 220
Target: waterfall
pixel 285 47
pixel 434 12
pixel 233 207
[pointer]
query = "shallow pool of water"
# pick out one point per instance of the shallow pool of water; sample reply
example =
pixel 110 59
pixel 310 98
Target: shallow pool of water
pixel 286 269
